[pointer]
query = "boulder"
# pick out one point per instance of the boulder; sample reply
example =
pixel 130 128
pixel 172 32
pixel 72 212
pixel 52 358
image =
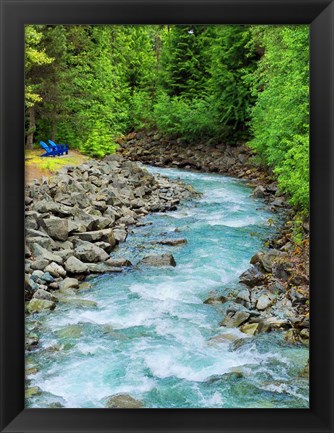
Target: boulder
pixel 216 300
pixel 243 296
pixel 40 252
pixel 251 277
pixel 39 305
pixel 75 266
pixel 55 270
pixel 37 275
pixel 43 241
pixel 159 260
pixel 234 319
pixel 263 302
pixel 120 235
pixel 56 228
pixel 89 252
pixel 268 258
pixel 68 283
pixel 43 294
pixel 120 262
pixel 249 328
pixel 100 268
pixel 40 263
pixel 282 270
pixel 259 192
pixel 123 401
pixel 105 235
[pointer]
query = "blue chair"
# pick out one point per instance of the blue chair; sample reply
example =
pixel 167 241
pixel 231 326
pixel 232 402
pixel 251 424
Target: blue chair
pixel 49 151
pixel 61 147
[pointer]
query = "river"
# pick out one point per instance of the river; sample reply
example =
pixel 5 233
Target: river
pixel 151 335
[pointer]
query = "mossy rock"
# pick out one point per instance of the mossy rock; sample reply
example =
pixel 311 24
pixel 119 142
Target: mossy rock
pixel 39 305
pixel 34 390
pixel 123 401
pixel 71 331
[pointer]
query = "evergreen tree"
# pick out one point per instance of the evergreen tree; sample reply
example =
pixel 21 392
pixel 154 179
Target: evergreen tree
pixel 35 58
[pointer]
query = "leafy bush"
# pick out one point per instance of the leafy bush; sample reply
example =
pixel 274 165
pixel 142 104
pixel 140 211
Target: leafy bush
pixel 177 115
pixel 280 117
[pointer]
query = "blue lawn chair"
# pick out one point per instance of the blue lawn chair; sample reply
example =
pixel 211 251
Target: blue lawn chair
pixel 61 147
pixel 49 151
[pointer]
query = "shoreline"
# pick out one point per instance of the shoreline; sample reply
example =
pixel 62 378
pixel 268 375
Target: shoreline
pixel 251 309
pixel 277 281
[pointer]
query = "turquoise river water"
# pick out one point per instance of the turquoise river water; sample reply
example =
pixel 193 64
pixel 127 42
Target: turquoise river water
pixel 152 337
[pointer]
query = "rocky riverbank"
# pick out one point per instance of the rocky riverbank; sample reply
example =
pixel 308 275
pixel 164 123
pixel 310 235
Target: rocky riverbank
pixel 275 292
pixel 74 221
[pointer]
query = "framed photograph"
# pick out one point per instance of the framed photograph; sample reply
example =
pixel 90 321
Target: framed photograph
pixel 167 216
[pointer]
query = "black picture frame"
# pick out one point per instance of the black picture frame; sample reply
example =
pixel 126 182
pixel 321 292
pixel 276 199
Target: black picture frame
pixel 14 15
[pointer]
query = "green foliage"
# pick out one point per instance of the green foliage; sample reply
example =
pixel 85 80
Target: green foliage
pixel 191 119
pixel 99 141
pixel 280 116
pixel 34 57
pixel 184 60
pixel 87 84
pixel 233 60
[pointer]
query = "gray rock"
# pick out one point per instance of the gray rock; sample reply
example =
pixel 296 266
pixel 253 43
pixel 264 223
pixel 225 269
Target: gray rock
pixel 268 258
pixel 159 260
pixel 89 252
pixel 56 228
pixel 216 300
pixel 264 302
pixel 101 268
pixel 43 294
pixel 104 245
pixel 123 401
pixel 251 277
pixel 120 262
pixel 55 270
pixel 44 206
pixel 31 233
pixel 37 274
pixel 75 266
pixel 69 283
pixel 102 223
pixel 65 254
pixel 235 319
pixel 40 252
pixel 39 263
pixel 45 242
pixel 105 235
pixel 120 235
pixel 244 295
pixel 282 270
pixel 259 192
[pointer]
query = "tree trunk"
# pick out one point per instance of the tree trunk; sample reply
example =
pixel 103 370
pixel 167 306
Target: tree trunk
pixel 53 130
pixel 32 127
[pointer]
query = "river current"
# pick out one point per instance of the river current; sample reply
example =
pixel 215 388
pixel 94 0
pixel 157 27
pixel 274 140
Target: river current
pixel 151 335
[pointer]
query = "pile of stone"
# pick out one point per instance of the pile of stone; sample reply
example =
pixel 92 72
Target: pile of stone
pixel 273 297
pixel 211 156
pixel 75 219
